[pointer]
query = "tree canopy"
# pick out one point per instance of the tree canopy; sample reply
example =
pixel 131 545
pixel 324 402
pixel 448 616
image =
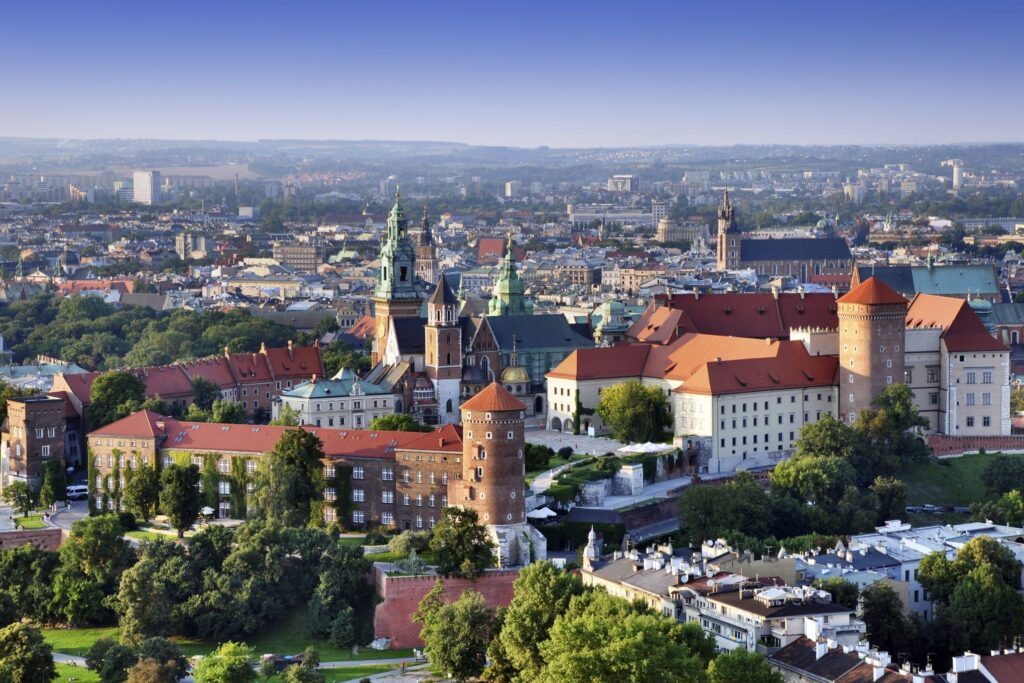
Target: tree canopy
pixel 460 544
pixel 290 478
pixel 634 412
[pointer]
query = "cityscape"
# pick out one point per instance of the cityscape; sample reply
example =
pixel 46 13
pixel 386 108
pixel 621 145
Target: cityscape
pixel 578 343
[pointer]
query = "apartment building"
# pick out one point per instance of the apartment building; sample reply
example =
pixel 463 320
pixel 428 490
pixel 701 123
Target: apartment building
pixel 33 435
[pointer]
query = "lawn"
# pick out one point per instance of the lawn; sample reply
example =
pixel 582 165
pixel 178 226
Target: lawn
pixel 951 481
pixel 67 672
pixel 149 535
pixel 30 522
pixel 287 636
pixel 355 673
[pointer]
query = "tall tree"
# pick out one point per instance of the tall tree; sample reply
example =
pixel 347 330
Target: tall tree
pixel 842 591
pixel 940 576
pixel 150 595
pixel 55 482
pixel 892 498
pixel 891 426
pixel 1007 509
pixel 24 656
pixel 341 591
pixel 456 636
pixel 821 480
pixel 142 492
pixel 229 663
pixel 882 612
pixel 227 412
pixel 828 436
pixel 634 412
pixel 290 478
pixel 399 422
pixel 92 560
pixel 460 544
pixel 180 497
pixel 541 593
pixel 740 666
pixel 19 496
pixel 986 609
pixel 204 392
pixel 110 391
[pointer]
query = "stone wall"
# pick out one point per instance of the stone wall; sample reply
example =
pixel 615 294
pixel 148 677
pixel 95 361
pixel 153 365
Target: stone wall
pixel 49 538
pixel 944 446
pixel 401 595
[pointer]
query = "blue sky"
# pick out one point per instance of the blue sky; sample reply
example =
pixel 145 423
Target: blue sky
pixel 555 73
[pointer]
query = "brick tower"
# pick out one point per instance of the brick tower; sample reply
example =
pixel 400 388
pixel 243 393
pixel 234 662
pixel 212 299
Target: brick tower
pixel 730 239
pixel 426 252
pixel 443 350
pixel 493 474
pixel 872 329
pixel 395 294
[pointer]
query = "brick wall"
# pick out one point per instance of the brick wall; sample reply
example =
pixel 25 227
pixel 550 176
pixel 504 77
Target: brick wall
pixel 401 595
pixel 943 445
pixel 46 539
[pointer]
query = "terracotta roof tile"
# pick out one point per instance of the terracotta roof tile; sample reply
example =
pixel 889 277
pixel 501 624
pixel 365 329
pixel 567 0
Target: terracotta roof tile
pixel 872 292
pixel 495 397
pixel 962 329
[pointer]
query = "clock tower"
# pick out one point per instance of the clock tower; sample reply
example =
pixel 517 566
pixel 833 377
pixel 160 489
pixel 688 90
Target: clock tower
pixel 395 294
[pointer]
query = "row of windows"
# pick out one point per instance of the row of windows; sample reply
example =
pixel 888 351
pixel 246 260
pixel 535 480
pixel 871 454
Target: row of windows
pixel 986 421
pixel 778 401
pixel 792 420
pixel 356 405
pixel 986 399
pixel 386 518
pixel 767 437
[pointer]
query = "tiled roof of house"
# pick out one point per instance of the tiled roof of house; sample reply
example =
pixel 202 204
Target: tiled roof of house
pixel 494 397
pixel 598 363
pixel 872 292
pixel 962 329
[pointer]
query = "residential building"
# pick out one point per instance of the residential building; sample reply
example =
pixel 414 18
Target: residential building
pixel 623 183
pixel 146 187
pixel 341 401
pixel 305 257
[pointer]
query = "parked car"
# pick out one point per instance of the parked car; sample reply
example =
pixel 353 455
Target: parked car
pixel 77 492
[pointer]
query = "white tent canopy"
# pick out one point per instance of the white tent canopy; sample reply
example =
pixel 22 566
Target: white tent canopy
pixel 541 513
pixel 648 447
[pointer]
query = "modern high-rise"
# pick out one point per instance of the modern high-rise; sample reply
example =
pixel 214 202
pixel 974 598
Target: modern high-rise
pixel 146 187
pixel 623 183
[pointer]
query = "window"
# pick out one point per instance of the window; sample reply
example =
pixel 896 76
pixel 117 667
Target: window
pixel 479 473
pixel 444 477
pixel 970 399
pixel 972 376
pixel 888 363
pixel 432 502
pixel 419 500
pixel 970 422
pixel 986 377
pixel 39 432
pixel 196 460
pixel 387 497
pixel 52 431
pixel 419 476
pixel 986 421
pixel 986 399
pixel 330 493
pixel 357 472
pixel 358 516
pixel 358 495
pixel 328 471
pixel 405 499
pixel 419 521
pixel 224 466
pixel 933 398
pixel 933 374
pixel 45 450
pixel 387 474
pixel 224 488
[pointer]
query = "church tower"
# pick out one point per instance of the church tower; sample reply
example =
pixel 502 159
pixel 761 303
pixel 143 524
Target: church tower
pixel 443 350
pixel 494 476
pixel 872 331
pixel 730 239
pixel 426 252
pixel 509 290
pixel 395 294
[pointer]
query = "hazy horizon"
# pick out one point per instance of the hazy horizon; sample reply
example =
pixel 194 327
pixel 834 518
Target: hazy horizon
pixel 561 75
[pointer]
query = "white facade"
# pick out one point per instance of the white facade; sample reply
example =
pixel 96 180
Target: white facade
pixel 355 410
pixel 146 187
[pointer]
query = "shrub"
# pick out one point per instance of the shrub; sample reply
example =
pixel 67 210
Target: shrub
pixel 565 452
pixel 375 537
pixel 407 541
pixel 127 521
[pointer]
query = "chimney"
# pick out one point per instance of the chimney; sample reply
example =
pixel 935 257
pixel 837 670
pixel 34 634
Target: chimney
pixel 820 649
pixel 227 352
pixel 877 672
pixel 440 443
pixel 314 378
pixel 291 350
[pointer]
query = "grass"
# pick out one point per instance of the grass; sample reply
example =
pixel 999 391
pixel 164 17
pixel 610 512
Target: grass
pixel 67 672
pixel 149 535
pixel 951 481
pixel 354 673
pixel 30 522
pixel 286 636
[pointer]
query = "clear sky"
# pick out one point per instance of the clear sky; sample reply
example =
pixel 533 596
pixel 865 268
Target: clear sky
pixel 518 72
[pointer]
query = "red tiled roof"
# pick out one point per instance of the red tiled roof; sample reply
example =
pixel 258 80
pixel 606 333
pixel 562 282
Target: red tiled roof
pixel 962 330
pixel 256 439
pixel 1007 668
pixel 603 363
pixel 69 287
pixel 872 292
pixel 495 397
pixel 364 327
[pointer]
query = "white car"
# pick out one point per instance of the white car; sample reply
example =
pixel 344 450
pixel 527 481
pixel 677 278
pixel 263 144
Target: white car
pixel 77 492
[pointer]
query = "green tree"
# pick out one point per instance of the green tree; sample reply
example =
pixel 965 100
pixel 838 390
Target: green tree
pixel 634 412
pixel 163 651
pixel 456 636
pixel 180 497
pixel 821 480
pixel 227 412
pixel 152 671
pixel 229 663
pixel 142 492
pixel 541 593
pixel 289 417
pixel 92 560
pixel 399 422
pixel 1004 474
pixel 301 674
pixel 843 592
pixel 340 354
pixel 24 656
pixel 940 576
pixel 882 612
pixel 19 496
pixel 712 511
pixel 892 498
pixel 117 661
pixel 110 391
pixel 586 644
pixel 740 666
pixel 987 610
pixel 1007 509
pixel 150 595
pixel 341 590
pixel 54 486
pixel 97 653
pixel 204 392
pixel 290 478
pixel 830 437
pixel 460 544
pixel 891 426
pixel 1016 399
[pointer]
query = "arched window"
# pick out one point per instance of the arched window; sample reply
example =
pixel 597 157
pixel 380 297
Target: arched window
pixel 481 453
pixel 448 406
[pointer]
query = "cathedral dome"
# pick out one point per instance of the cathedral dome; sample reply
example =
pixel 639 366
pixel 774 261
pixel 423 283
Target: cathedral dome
pixel 514 374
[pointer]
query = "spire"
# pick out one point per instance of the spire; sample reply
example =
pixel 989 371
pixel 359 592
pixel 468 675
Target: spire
pixel 20 270
pixel 426 237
